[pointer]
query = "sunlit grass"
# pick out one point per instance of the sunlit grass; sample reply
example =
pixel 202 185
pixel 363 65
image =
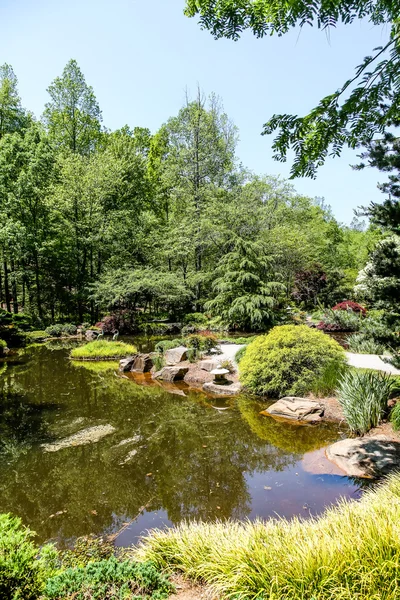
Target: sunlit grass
pixel 102 350
pixel 96 366
pixel 352 551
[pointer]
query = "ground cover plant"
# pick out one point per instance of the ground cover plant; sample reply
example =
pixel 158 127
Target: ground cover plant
pixel 363 396
pixel 102 350
pixel 288 361
pixel 352 551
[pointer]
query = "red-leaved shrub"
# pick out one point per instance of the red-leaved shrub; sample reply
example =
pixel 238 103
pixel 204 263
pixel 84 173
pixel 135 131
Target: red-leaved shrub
pixel 350 305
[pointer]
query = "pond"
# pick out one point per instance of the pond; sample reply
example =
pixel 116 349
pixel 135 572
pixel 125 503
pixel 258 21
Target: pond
pixel 175 453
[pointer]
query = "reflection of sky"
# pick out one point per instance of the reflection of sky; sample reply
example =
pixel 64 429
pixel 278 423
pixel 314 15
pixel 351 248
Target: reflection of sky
pixel 293 489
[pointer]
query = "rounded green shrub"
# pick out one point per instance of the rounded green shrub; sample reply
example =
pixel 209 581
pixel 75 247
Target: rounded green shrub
pixel 23 572
pixel 288 361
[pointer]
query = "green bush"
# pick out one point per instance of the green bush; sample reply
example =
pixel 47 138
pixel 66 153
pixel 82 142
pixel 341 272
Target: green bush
pixel 288 361
pixel 195 319
pixel 238 340
pixel 3 344
pixel 103 350
pixel 395 416
pixel 165 345
pixel 23 572
pixel 37 336
pixel 240 353
pixel 205 342
pixel 363 396
pixel 59 329
pixel 343 320
pixel 109 580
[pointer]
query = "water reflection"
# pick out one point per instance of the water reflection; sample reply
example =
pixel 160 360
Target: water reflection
pixel 173 455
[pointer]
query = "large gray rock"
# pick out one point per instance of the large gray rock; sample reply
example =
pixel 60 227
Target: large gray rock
pixel 208 365
pixel 222 390
pixel 299 409
pixel 86 436
pixel 365 457
pixel 91 335
pixel 126 364
pixel 175 355
pixel 172 373
pixel 142 363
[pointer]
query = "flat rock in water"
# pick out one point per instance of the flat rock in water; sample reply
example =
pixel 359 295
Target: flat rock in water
pixel 208 365
pixel 172 373
pixel 298 409
pixel 86 436
pixel 222 390
pixel 365 457
pixel 175 355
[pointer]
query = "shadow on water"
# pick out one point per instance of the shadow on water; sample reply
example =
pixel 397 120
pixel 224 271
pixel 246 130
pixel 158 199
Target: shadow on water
pixel 174 454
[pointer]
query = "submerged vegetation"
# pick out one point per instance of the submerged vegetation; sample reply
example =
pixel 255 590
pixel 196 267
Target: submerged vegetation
pixel 336 556
pixel 102 350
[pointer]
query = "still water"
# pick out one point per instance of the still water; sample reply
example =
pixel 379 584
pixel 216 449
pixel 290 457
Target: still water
pixel 183 455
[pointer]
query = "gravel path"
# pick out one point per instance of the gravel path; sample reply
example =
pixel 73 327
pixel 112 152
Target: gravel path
pixel 370 361
pixel 229 351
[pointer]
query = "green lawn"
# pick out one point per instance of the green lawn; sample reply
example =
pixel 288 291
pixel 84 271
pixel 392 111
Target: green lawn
pixel 103 350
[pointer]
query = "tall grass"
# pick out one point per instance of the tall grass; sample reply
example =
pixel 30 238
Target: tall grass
pixel 363 396
pixel 326 383
pixel 102 350
pixel 351 552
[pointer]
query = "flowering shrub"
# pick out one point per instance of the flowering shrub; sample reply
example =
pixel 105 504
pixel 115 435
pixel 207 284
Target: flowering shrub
pixel 349 305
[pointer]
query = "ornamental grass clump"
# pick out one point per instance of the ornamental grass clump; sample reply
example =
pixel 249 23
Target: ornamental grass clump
pixel 351 552
pixel 363 396
pixel 289 361
pixel 103 350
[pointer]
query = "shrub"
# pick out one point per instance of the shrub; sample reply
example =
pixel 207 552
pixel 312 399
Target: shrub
pixel 108 580
pixel 288 361
pixel 240 353
pixel 3 344
pixel 54 330
pixel 103 350
pixel 227 364
pixel 363 396
pixel 204 341
pixel 193 355
pixel 165 345
pixel 351 552
pixel 69 329
pixel 362 344
pixel 22 572
pixel 349 305
pixel 123 321
pixel 195 319
pixel 158 361
pixel 395 416
pixel 340 320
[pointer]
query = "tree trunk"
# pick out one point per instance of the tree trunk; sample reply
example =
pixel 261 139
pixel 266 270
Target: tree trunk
pixel 6 285
pixel 14 288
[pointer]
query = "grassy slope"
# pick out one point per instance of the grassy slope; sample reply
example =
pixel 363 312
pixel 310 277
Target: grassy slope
pixel 352 551
pixel 103 349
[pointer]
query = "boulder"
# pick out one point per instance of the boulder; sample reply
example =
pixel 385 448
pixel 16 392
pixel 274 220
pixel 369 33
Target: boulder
pixel 222 390
pixel 126 364
pixel 86 436
pixel 208 365
pixel 365 457
pixel 175 355
pixel 91 335
pixel 298 409
pixel 143 363
pixel 172 373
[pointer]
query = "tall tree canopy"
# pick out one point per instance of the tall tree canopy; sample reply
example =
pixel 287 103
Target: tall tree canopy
pixel 73 115
pixel 366 104
pixel 12 114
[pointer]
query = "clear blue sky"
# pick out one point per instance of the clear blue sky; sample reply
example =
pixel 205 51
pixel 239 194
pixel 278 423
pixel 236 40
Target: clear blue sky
pixel 140 56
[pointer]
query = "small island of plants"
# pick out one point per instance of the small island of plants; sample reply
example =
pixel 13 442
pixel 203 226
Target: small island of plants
pixel 103 350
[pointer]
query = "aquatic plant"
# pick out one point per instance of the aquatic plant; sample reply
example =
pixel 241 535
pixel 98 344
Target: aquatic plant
pixel 102 350
pixel 352 551
pixel 363 396
pixel 288 361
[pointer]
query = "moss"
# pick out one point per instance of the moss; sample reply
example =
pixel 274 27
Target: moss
pixel 103 350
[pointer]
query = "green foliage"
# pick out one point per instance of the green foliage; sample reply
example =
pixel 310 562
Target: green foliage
pixel 158 361
pixel 22 572
pixel 240 354
pixel 246 291
pixel 238 340
pixel 227 364
pixel 333 557
pixel 168 345
pixel 204 342
pixel 109 580
pixel 363 106
pixel 196 319
pixel 288 361
pixel 363 396
pixel 342 320
pixel 362 344
pixel 59 330
pixel 102 350
pixel 326 383
pixel 3 344
pixel 395 416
